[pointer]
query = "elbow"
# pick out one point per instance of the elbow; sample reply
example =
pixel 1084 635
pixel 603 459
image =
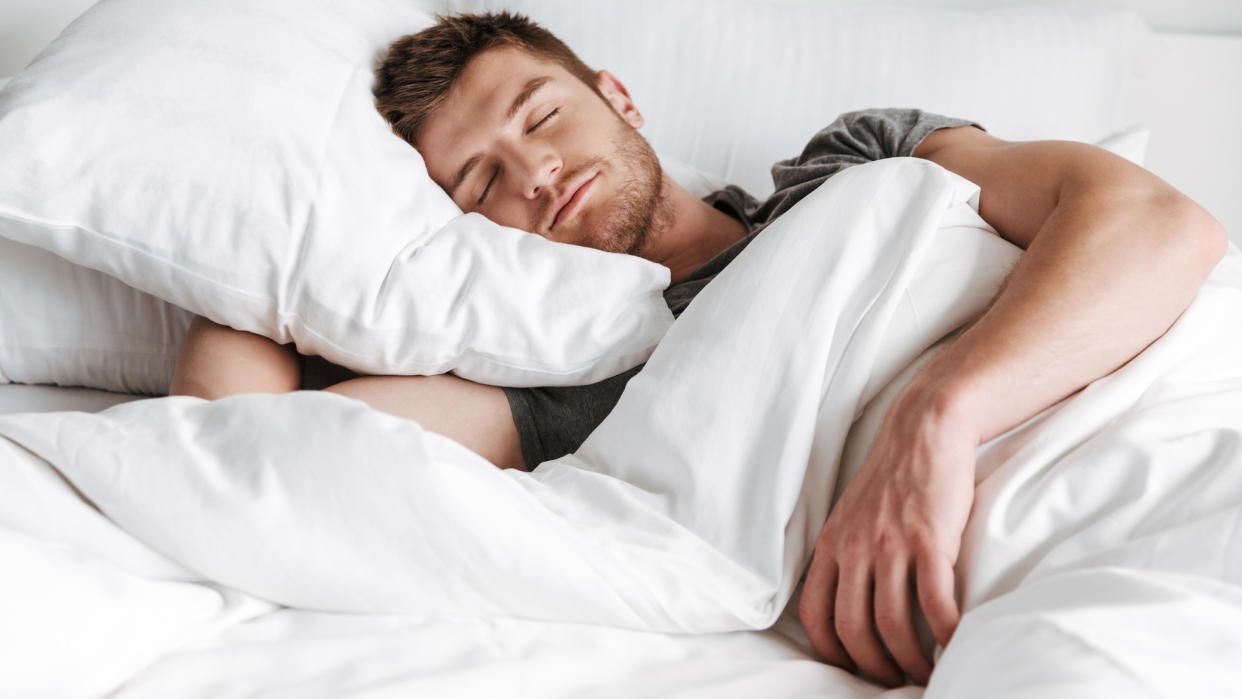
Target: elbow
pixel 1196 235
pixel 1217 241
pixel 1213 241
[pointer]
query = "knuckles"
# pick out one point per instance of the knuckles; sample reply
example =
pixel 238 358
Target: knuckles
pixel 850 627
pixel 887 621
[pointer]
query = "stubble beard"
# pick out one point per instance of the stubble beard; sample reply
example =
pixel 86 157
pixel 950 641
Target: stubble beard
pixel 641 203
pixel 638 210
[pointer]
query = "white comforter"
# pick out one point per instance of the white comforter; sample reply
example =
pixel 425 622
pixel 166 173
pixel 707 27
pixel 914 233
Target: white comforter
pixel 1103 547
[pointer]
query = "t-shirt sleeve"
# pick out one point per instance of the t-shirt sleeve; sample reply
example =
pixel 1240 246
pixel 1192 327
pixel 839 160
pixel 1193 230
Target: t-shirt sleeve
pixel 554 421
pixel 859 137
pixel 852 139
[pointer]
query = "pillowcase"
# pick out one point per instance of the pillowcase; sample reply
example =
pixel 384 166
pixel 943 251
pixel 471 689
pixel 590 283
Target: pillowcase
pixel 64 324
pixel 647 514
pixel 694 180
pixel 69 325
pixel 1130 143
pixel 227 157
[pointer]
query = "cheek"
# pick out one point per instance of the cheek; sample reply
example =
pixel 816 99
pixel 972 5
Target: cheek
pixel 505 211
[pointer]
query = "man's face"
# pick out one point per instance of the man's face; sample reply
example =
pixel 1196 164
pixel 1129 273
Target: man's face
pixel 527 144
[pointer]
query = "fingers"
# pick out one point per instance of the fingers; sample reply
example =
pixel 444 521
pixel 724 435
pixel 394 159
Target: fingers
pixel 894 617
pixel 842 611
pixel 815 609
pixel 935 586
pixel 854 626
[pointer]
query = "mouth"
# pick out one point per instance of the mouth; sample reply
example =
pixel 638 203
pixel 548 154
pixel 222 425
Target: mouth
pixel 574 197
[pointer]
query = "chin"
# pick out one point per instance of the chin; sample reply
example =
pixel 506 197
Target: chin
pixel 609 240
pixel 621 225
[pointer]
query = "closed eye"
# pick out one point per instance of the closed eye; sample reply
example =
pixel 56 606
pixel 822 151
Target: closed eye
pixel 488 188
pixel 496 172
pixel 544 120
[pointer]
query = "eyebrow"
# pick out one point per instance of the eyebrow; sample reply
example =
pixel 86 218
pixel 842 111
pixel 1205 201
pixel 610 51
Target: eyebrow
pixel 532 86
pixel 528 91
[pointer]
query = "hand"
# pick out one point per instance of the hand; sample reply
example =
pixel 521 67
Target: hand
pixel 897 528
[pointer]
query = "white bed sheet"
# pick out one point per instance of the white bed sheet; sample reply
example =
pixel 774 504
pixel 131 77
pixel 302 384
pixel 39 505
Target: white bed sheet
pixel 19 398
pixel 1101 556
pixel 268 652
pixel 227 643
pixel 308 654
pixel 285 652
pixel 242 647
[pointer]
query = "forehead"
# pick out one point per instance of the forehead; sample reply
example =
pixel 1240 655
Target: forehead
pixel 475 106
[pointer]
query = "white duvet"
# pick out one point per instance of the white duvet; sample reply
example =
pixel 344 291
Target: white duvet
pixel 175 546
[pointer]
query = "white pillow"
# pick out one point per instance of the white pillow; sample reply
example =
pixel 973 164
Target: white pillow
pixel 69 325
pixel 648 537
pixel 694 180
pixel 73 326
pixel 1130 143
pixel 227 157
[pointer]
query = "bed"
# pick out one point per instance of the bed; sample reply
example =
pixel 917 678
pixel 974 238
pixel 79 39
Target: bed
pixel 1101 532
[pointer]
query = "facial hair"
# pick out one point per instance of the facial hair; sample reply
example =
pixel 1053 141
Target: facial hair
pixel 627 218
pixel 629 224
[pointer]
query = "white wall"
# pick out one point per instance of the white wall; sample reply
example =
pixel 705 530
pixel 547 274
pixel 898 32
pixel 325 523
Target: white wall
pixel 1197 149
pixel 1194 16
pixel 1191 99
pixel 26 26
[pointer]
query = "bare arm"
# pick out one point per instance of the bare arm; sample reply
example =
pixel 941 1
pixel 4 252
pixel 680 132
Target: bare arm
pixel 1113 256
pixel 217 361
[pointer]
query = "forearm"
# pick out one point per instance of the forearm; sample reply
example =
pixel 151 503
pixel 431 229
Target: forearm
pixel 216 361
pixel 1108 273
pixel 1113 255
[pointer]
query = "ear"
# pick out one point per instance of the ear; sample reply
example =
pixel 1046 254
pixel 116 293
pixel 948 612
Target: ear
pixel 616 95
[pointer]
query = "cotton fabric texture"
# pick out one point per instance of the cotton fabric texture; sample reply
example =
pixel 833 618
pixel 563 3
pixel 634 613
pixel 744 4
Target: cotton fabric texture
pixel 227 157
pixel 553 422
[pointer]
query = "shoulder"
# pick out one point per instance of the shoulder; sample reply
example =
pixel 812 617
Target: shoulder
pixel 968 135
pixel 862 136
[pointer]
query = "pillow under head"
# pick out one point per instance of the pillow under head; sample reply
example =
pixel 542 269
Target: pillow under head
pixel 226 156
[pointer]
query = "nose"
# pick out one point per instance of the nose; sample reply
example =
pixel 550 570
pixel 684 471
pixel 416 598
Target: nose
pixel 535 167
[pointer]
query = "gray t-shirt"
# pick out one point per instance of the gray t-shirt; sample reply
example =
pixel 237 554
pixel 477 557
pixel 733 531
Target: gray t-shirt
pixel 554 421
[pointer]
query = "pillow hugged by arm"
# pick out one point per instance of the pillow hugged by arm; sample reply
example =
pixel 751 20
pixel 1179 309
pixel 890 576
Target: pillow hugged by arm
pixel 217 361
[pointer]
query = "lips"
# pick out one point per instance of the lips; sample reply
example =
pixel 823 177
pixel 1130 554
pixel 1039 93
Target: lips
pixel 571 201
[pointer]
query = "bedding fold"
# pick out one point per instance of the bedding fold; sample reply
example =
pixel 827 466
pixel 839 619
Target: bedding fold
pixel 694 507
pixel 688 510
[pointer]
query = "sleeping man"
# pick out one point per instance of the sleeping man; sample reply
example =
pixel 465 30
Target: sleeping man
pixel 513 125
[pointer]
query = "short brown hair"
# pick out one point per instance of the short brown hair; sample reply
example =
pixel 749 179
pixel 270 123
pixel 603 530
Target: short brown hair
pixel 420 68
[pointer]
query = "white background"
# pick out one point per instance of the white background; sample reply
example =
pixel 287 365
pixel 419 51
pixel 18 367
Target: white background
pixel 28 25
pixel 1191 97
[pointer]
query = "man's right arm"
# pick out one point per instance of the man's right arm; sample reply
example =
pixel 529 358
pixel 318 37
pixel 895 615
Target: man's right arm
pixel 217 361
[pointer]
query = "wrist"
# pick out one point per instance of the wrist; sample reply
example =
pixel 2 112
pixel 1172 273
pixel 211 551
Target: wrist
pixel 940 401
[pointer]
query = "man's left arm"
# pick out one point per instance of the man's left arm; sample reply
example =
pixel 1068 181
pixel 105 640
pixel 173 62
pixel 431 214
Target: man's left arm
pixel 1113 256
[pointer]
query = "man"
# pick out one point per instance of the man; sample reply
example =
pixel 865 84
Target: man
pixel 512 125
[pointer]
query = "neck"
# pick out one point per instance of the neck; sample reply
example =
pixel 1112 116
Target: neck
pixel 687 232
